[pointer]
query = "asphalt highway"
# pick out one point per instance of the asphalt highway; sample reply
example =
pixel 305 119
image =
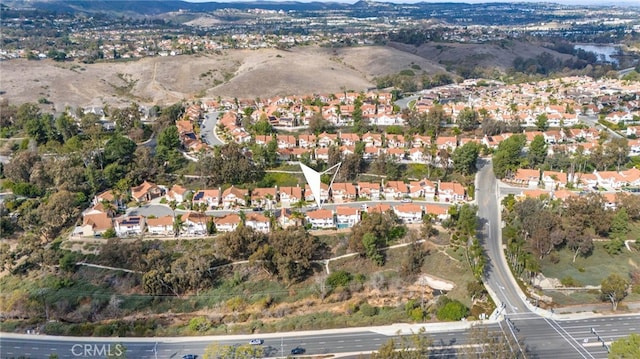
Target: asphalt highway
pixel 545 338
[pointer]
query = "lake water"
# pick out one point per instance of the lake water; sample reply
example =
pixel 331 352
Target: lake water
pixel 603 52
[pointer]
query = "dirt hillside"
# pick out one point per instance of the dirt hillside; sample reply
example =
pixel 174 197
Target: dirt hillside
pixel 236 73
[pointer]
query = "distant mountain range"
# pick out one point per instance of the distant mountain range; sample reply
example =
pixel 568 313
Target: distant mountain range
pixel 503 13
pixel 156 7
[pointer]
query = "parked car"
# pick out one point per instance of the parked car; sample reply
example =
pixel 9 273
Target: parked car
pixel 189 356
pixel 297 351
pixel 256 341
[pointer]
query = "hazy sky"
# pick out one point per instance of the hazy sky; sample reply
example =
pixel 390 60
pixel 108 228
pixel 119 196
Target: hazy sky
pixel 571 2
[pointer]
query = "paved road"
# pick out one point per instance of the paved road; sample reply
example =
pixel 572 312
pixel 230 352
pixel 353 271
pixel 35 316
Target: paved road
pixel 498 275
pixel 207 129
pixel 592 121
pixel 544 339
pixel 340 341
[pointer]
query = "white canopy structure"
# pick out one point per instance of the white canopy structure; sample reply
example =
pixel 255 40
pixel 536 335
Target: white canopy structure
pixel 313 179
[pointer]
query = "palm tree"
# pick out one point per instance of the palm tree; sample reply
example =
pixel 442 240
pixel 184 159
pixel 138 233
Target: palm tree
pixel 201 208
pixel 173 205
pixel 109 208
pixel 178 225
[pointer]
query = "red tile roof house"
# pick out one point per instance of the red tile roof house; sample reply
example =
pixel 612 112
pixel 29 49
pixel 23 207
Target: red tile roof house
pixel 286 141
pixel 349 139
pixel 417 155
pixel 368 190
pixel 396 153
pixel 396 141
pixel 611 180
pixel 104 196
pixel 437 211
pixel 209 196
pixel 423 188
pixel 326 140
pixel 409 212
pixel 307 141
pixel 526 177
pixel 263 197
pixel 322 153
pixel 371 153
pixel 127 226
pixel 447 143
pixel 94 225
pixel 146 192
pixel 554 179
pixel 585 180
pixel 176 193
pixel 343 192
pixel 395 190
pixel 321 218
pixel 324 193
pixel 288 218
pixel 227 223
pixel 451 192
pixel 378 208
pixel 195 223
pixel 160 226
pixel 347 217
pixel 234 196
pixel 258 222
pixel 372 139
pixel 289 196
pixel 614 180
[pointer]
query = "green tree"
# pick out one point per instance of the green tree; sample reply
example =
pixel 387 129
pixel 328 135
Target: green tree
pixel 537 151
pixel 507 157
pixel 263 127
pixel 627 347
pixel 169 138
pixel 468 119
pixel 465 158
pixel 452 310
pixel 119 149
pixel 614 289
pixel 372 246
pixel 620 224
pixel 542 122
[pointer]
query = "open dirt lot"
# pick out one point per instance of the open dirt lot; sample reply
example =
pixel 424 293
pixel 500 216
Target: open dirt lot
pixel 233 73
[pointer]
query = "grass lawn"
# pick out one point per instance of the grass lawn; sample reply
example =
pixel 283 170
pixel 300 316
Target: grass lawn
pixel 593 269
pixel 589 271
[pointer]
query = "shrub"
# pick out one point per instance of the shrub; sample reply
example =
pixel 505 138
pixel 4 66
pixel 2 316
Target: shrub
pixel 614 246
pixel 554 258
pixel 339 278
pixel 417 314
pixel 452 311
pixel 199 324
pixel 368 310
pixel 109 233
pixel 568 281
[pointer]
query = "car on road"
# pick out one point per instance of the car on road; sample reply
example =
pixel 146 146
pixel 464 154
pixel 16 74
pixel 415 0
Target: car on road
pixel 256 341
pixel 297 351
pixel 406 200
pixel 189 356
